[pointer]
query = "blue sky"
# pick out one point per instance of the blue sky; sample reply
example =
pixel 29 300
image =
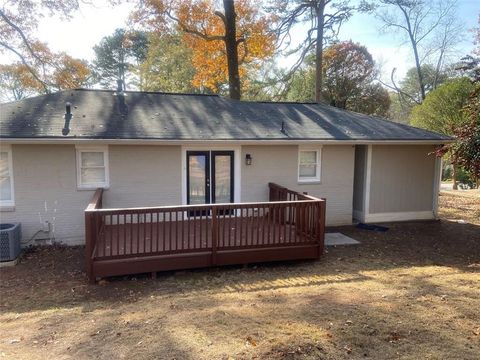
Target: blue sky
pixel 78 36
pixel 391 51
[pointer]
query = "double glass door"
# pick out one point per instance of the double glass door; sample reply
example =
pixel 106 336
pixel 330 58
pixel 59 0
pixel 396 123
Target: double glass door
pixel 209 177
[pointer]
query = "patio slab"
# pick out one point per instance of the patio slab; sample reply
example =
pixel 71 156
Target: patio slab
pixel 335 239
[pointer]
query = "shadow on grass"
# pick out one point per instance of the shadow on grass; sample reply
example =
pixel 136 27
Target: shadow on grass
pixel 54 278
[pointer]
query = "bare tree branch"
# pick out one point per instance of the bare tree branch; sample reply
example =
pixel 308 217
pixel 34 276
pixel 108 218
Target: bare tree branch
pixel 24 62
pixel 196 32
pixel 25 41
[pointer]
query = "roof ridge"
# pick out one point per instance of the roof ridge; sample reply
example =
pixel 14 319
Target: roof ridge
pixel 146 92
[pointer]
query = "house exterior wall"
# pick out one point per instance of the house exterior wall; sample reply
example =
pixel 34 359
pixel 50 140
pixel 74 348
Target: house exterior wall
pixel 279 164
pixel 402 179
pixel 45 183
pixel 45 188
pixel 359 178
pixel 144 176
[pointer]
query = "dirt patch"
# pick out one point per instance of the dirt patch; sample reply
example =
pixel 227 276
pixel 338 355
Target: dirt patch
pixel 409 293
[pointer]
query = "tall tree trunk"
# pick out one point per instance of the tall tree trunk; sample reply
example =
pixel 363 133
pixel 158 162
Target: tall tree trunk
pixel 419 70
pixel 232 50
pixel 413 41
pixel 320 9
pixel 454 176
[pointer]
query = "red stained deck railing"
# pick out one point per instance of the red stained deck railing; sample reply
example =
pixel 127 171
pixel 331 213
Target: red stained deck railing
pixel 132 240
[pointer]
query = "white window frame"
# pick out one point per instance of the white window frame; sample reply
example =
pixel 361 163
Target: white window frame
pixel 317 177
pixel 92 186
pixel 9 203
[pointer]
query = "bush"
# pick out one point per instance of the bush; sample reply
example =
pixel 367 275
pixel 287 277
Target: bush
pixel 464 179
pixel 447 173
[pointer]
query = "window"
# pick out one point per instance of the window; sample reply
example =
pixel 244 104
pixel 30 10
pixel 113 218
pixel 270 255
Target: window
pixel 6 178
pixel 309 165
pixel 92 168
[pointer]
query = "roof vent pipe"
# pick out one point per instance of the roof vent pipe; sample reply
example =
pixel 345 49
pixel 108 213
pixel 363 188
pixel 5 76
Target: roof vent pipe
pixel 283 130
pixel 68 108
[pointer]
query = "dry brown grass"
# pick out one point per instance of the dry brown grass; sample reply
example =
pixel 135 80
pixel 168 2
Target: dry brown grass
pixel 410 293
pixel 461 205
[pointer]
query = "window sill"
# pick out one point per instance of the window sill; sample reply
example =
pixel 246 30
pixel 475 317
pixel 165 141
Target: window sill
pixel 7 208
pixel 309 182
pixel 92 188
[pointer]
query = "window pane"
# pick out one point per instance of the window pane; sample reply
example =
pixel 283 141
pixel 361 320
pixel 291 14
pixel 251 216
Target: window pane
pixel 197 171
pixel 222 179
pixel 308 171
pixel 93 176
pixel 5 188
pixel 92 159
pixel 4 164
pixel 308 157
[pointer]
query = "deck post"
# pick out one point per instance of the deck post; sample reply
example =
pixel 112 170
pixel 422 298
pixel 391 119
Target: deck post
pixel 89 244
pixel 321 227
pixel 91 231
pixel 214 235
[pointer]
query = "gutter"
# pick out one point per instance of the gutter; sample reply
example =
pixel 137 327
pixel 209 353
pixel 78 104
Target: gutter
pixel 74 141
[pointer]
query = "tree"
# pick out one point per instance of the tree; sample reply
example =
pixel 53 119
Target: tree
pixel 466 149
pixel 467 146
pixel 442 111
pixel 431 80
pixel 408 94
pixel 302 83
pixel 223 43
pixel 18 24
pixel 430 28
pixel 118 56
pixel 399 110
pixel 70 73
pixel 18 82
pixel 349 80
pixel 349 72
pixel 324 18
pixel 168 65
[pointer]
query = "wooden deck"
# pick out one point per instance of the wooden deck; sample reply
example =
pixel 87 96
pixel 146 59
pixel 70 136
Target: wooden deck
pixel 122 240
pixel 138 240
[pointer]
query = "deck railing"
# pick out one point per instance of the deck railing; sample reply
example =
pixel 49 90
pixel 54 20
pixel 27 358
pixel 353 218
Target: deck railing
pixel 288 219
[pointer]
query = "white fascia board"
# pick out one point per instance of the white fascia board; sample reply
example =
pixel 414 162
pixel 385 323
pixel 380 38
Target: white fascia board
pixel 77 141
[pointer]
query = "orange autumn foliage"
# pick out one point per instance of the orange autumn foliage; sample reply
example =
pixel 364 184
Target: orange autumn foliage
pixel 203 29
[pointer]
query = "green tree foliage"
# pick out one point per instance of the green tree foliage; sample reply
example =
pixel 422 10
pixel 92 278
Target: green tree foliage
pixel 442 109
pixel 431 79
pixel 168 65
pixel 403 101
pixel 118 56
pixel 399 110
pixel 349 80
pixel 302 85
pixel 468 139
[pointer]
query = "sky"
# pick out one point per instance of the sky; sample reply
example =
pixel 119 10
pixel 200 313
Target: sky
pixel 78 36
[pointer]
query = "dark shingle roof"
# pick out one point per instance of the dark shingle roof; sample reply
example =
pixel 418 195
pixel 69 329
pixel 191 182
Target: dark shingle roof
pixel 99 114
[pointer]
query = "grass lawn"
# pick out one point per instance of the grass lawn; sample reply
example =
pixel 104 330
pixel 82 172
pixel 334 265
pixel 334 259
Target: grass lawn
pixel 410 293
